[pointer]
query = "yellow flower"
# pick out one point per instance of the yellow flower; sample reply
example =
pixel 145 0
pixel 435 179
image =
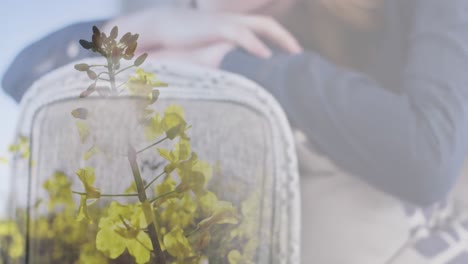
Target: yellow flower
pixel 14 241
pixel 123 228
pixel 177 244
pixel 143 83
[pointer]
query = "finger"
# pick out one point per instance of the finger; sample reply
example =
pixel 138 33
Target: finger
pixel 274 31
pixel 246 39
pixel 172 56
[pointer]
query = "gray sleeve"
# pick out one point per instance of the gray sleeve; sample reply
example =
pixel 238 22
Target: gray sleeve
pixel 411 145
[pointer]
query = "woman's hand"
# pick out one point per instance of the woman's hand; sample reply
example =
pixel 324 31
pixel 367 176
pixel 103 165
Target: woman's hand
pixel 209 56
pixel 192 30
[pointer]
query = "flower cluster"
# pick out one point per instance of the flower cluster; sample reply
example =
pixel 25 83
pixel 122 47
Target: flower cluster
pixel 172 218
pixel 108 46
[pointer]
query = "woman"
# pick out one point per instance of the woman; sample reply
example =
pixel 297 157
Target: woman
pixel 377 86
pixel 380 90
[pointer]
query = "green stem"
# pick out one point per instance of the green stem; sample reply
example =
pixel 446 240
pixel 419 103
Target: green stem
pixel 98 65
pixel 124 222
pixel 122 84
pixel 111 76
pixel 129 228
pixel 110 195
pixel 152 145
pixel 146 206
pixel 162 196
pixel 101 73
pixel 143 245
pixel 193 232
pixel 124 69
pixel 155 179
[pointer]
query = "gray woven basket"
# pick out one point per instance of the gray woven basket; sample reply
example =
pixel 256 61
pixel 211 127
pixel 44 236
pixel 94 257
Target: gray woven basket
pixel 236 124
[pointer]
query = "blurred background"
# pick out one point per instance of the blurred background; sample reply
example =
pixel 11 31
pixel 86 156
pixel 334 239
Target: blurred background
pixel 21 23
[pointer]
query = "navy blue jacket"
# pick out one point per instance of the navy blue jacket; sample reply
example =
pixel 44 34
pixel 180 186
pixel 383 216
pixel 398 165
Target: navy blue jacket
pixel 403 127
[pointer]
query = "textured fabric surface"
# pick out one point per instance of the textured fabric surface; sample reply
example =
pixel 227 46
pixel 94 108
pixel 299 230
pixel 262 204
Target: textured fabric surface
pixel 347 221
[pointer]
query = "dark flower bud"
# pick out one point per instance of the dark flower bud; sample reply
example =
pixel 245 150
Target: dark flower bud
pixel 86 44
pixel 97 41
pixel 131 49
pixel 91 89
pixel 128 57
pixel 154 96
pixel 134 38
pixel 96 30
pixel 125 38
pixel 141 59
pixel 114 32
pixel 92 75
pixel 116 52
pixel 82 67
